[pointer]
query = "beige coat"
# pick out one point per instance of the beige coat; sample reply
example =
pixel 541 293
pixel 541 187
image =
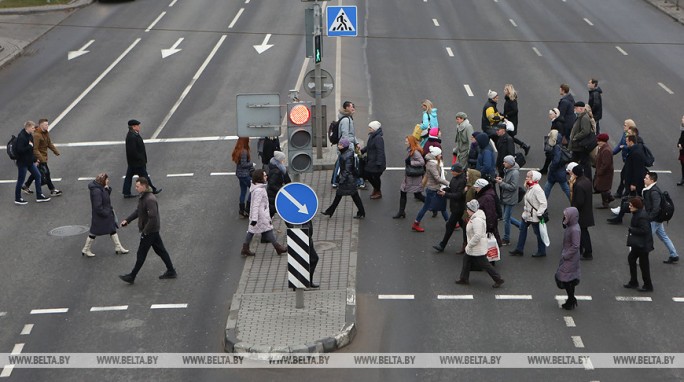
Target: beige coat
pixel 476 232
pixel 534 204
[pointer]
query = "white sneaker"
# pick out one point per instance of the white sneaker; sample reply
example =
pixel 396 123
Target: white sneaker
pixel 41 198
pixel 615 210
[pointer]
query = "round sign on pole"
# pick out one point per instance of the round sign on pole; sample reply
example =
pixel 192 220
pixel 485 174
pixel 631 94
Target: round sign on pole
pixel 296 203
pixel 327 81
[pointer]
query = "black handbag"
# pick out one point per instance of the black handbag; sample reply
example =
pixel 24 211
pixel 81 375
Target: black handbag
pixel 415 171
pixel 438 203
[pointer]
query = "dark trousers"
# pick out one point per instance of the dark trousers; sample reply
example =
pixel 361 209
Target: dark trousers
pixel 153 240
pixel 374 179
pixel 357 201
pixel 402 200
pixel 482 263
pixel 583 159
pixel 21 175
pixel 585 241
pixel 139 171
pixel 454 218
pixel 570 290
pixel 45 177
pixel 642 255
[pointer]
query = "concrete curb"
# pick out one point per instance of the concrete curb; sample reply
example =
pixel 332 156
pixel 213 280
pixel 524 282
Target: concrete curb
pixel 668 7
pixel 45 8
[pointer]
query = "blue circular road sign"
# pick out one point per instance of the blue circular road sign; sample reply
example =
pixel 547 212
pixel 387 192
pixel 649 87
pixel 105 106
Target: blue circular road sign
pixel 296 203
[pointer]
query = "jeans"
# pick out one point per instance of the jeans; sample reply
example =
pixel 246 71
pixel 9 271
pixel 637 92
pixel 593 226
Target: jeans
pixel 508 220
pixel 563 185
pixel 244 188
pixel 139 171
pixel 45 174
pixel 541 248
pixel 659 230
pixel 429 195
pixel 21 176
pixel 153 240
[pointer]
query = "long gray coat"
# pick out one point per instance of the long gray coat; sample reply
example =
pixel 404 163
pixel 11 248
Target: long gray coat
pixel 412 184
pixel 103 221
pixel 569 265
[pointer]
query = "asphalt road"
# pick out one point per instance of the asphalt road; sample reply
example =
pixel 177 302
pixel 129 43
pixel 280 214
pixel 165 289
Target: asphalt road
pixel 535 45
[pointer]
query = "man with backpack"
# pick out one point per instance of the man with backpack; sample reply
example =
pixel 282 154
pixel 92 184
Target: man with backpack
pixel 26 161
pixel 42 142
pixel 653 199
pixel 345 129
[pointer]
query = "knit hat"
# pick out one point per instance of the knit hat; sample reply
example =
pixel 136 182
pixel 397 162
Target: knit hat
pixel 434 133
pixel 578 170
pixel 473 205
pixel 603 137
pixel 279 156
pixel 510 159
pixel 536 176
pixel 570 166
pixel 480 183
pixel 457 167
pixel 491 94
pixel 555 112
pixel 579 104
pixel 133 122
pixel 344 142
pixel 375 125
pixel 434 150
pixel 461 114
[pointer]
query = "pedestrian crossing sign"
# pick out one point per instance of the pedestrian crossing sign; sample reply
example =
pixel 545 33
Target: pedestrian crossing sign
pixel 341 21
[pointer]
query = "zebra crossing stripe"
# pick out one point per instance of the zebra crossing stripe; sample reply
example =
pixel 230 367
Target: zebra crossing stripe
pixel 298 248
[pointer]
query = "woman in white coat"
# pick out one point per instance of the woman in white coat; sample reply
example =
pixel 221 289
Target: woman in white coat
pixel 259 217
pixel 476 250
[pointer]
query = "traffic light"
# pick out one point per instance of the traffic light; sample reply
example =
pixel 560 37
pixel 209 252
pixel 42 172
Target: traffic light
pixel 299 137
pixel 318 51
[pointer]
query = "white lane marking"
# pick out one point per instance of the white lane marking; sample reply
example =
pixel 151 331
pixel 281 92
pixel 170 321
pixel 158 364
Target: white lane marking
pixel 190 85
pixel 3 314
pixel 86 178
pixel 449 52
pixel 186 174
pixel 513 22
pixel 454 296
pixel 49 311
pixel 621 50
pixel 8 181
pixel 629 298
pixel 92 85
pixel 18 348
pixel 155 21
pixel 579 298
pixel 588 365
pixel 246 1
pixel 6 371
pixel 569 322
pixel 678 299
pixel 78 53
pixel 534 48
pixel 168 306
pixel 155 140
pixel 173 3
pixel 577 340
pixel 662 85
pixel 656 171
pixel 108 308
pixel 513 296
pixel 468 90
pixel 588 22
pixel 221 173
pixel 235 19
pixel 26 330
pixel 396 297
pixel 434 21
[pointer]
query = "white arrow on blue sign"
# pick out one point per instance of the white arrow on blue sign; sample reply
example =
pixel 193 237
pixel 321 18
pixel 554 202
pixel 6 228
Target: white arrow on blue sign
pixel 296 203
pixel 341 20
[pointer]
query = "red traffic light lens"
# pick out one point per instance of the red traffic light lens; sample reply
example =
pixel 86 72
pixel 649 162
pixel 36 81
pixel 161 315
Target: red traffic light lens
pixel 300 114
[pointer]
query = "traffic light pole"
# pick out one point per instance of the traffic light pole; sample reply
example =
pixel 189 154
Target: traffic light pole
pixel 318 134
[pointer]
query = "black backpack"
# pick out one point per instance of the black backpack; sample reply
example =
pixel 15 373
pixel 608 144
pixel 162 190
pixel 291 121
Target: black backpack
pixel 666 208
pixel 649 159
pixel 334 131
pixel 520 159
pixel 12 148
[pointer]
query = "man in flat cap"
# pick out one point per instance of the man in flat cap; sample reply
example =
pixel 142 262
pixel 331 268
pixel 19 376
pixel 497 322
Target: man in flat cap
pixel 136 156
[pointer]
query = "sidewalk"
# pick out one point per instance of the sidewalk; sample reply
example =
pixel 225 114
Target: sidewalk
pixel 670 7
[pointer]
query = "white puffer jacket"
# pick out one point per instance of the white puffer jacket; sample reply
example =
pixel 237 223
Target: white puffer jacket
pixel 476 231
pixel 258 210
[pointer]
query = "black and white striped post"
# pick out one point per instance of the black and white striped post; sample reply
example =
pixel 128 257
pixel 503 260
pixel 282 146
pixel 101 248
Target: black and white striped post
pixel 298 262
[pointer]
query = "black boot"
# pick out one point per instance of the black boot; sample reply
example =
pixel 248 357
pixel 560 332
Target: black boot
pixel 525 147
pixel 243 214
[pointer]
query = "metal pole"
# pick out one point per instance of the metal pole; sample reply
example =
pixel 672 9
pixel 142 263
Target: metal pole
pixel 318 125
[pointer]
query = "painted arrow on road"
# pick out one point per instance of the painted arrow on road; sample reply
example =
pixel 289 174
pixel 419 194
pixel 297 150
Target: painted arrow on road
pixel 167 52
pixel 264 45
pixel 80 52
pixel 302 207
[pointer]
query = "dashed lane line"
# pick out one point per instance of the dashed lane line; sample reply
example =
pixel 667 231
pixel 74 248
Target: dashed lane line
pixel 49 311
pixel 569 322
pixel 675 299
pixel 26 330
pixel 434 21
pixel 168 306
pixel 449 51
pixel 621 51
pixel 632 298
pixel 513 296
pixel 3 314
pixel 513 23
pixel 588 22
pixel 235 19
pixel 6 371
pixel 155 21
pixel 534 48
pixel 577 341
pixel 468 90
pixel 18 348
pixel 108 308
pixel 396 297
pixel 662 85
pixel 172 3
pixel 180 175
pixel 455 297
pixel 221 173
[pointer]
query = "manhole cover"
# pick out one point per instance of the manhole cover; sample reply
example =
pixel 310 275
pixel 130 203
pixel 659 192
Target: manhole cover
pixel 324 245
pixel 68 230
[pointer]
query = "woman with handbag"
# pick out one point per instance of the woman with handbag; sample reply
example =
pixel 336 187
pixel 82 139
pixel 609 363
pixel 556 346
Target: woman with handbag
pixel 243 170
pixel 535 206
pixel 568 272
pixel 640 241
pixel 432 181
pixel 413 175
pixel 347 181
pixel 476 250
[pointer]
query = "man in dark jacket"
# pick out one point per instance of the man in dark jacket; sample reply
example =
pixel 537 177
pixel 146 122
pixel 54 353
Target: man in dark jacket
pixel 505 146
pixel 136 157
pixel 582 139
pixel 149 224
pixel 652 198
pixel 26 161
pixel 567 112
pixel 582 200
pixel 595 102
pixel 632 174
pixel 456 195
pixel 375 158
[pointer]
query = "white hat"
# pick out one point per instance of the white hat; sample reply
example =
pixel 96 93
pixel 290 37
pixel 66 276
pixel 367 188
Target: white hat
pixel 480 183
pixel 491 94
pixel 434 150
pixel 375 125
pixel 536 176
pixel 570 166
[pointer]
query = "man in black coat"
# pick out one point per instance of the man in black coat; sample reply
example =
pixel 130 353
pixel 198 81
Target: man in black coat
pixel 566 106
pixel 595 102
pixel 26 161
pixel 582 200
pixel 136 157
pixel 635 167
pixel 504 146
pixel 456 195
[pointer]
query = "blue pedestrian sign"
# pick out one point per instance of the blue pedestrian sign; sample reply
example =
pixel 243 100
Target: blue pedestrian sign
pixel 341 20
pixel 296 203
